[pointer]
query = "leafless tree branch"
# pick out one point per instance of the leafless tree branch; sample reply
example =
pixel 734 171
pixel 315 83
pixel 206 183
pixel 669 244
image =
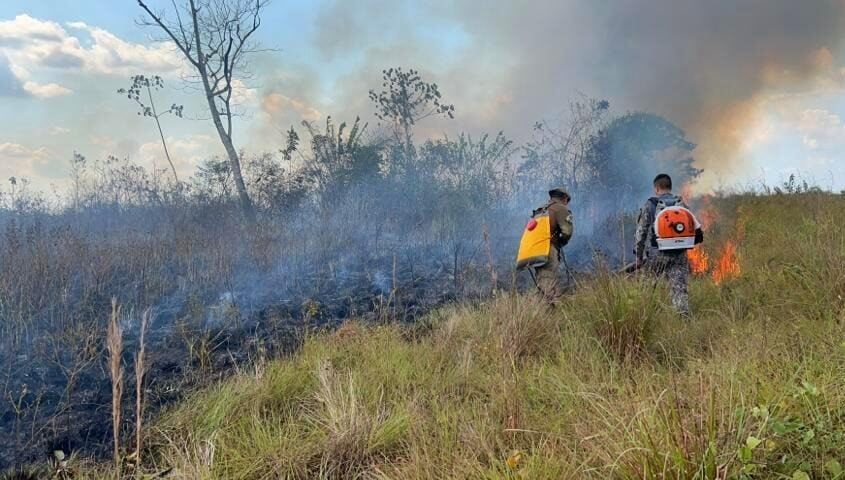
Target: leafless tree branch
pixel 216 37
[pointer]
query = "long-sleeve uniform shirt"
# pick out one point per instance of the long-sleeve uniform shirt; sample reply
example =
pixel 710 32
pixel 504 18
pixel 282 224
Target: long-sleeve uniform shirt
pixel 548 276
pixel 672 264
pixel 646 237
pixel 560 221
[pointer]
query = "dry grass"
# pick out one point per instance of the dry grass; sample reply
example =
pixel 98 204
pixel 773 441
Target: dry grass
pixel 609 385
pixel 114 344
pixel 140 374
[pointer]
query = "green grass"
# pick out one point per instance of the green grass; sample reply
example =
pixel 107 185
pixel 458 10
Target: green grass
pixel 612 384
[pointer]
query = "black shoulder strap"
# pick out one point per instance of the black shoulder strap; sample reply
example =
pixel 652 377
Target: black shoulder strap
pixel 652 205
pixel 542 209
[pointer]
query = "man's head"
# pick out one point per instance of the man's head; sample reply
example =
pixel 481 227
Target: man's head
pixel 662 184
pixel 560 194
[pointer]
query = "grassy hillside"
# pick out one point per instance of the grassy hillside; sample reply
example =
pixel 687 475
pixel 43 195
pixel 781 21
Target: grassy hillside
pixel 610 385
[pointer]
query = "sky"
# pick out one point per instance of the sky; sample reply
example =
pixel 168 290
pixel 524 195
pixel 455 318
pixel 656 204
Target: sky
pixel 759 85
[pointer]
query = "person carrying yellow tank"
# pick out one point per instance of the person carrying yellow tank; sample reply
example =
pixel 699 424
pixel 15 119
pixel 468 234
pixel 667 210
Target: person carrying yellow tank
pixel 548 231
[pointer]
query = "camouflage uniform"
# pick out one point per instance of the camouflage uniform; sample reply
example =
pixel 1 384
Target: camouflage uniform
pixel 548 276
pixel 672 265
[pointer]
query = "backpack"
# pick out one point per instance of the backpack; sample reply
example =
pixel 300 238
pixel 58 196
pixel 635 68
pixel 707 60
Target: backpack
pixel 536 243
pixel 675 226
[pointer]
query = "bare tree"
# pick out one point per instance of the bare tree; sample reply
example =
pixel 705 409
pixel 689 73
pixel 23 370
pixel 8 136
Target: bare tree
pixel 215 36
pixel 560 154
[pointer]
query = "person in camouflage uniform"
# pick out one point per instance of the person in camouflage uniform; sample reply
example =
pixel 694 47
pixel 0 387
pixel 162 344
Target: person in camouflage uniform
pixel 560 222
pixel 672 265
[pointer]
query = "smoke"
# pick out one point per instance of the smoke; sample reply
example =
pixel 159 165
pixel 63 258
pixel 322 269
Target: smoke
pixel 706 66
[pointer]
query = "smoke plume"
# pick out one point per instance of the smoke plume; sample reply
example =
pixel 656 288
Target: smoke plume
pixel 706 66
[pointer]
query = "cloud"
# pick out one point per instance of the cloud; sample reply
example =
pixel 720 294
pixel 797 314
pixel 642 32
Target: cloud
pixel 821 130
pixel 57 58
pixel 20 160
pixel 10 86
pixel 15 150
pixel 815 119
pixel 242 94
pixel 280 107
pixel 31 43
pixel 48 90
pixel 187 153
pixel 59 130
pixel 13 83
pixel 112 55
pixel 26 27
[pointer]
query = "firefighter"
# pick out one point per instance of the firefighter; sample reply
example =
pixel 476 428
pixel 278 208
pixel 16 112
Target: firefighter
pixel 672 265
pixel 548 277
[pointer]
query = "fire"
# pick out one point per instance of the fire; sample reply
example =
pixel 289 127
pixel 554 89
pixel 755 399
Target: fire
pixel 728 265
pixel 698 259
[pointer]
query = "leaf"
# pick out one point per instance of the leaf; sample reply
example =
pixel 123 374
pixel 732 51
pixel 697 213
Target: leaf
pixel 834 468
pixel 809 435
pixel 744 454
pixel 752 442
pixel 784 427
pixel 760 412
pixel 810 389
pixel 800 475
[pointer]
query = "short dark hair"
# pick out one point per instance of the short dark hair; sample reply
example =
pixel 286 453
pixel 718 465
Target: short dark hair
pixel 557 193
pixel 663 182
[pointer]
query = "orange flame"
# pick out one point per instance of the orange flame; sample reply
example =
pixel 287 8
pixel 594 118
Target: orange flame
pixel 728 265
pixel 698 259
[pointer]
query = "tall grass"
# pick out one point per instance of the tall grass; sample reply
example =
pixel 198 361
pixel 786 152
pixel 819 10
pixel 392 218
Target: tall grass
pixel 140 373
pixel 114 344
pixel 611 384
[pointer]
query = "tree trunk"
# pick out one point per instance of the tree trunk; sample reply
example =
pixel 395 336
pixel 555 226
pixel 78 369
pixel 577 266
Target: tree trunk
pixel 234 162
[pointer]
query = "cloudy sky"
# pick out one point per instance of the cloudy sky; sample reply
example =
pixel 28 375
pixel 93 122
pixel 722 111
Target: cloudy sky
pixel 758 84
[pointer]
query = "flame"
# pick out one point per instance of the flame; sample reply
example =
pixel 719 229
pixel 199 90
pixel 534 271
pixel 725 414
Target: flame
pixel 728 265
pixel 698 259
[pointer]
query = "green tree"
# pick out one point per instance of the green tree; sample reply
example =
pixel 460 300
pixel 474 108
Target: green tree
pixel 340 157
pixel 404 100
pixel 625 156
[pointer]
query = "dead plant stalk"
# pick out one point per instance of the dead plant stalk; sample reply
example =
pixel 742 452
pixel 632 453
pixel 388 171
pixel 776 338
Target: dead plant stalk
pixel 114 343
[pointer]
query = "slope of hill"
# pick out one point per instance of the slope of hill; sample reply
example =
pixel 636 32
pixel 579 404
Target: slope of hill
pixel 610 385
